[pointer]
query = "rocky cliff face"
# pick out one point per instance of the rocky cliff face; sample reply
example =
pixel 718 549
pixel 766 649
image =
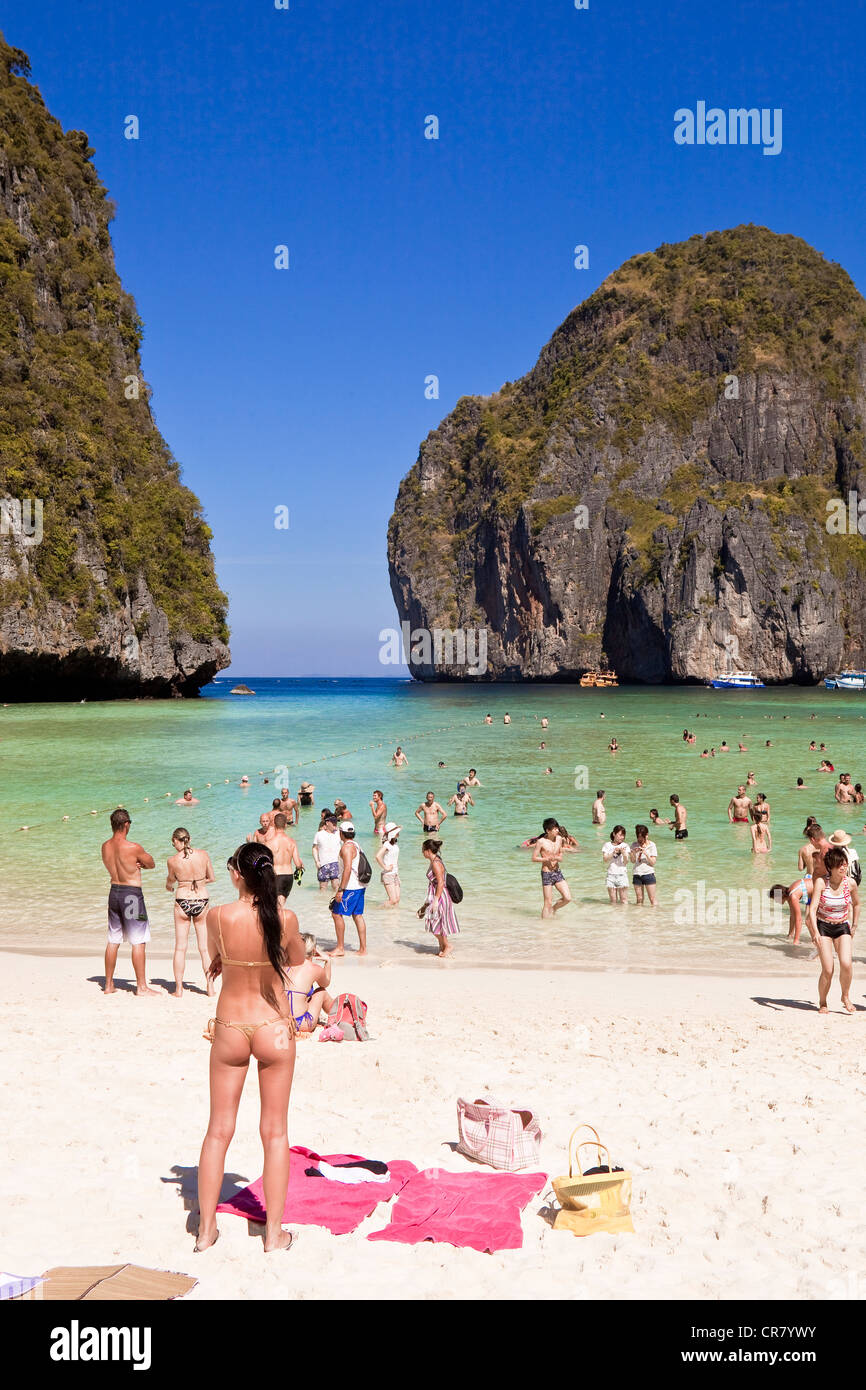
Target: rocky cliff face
pixel 656 489
pixel 107 584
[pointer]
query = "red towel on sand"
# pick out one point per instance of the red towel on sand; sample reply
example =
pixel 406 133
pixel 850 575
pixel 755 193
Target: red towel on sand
pixel 479 1210
pixel 341 1207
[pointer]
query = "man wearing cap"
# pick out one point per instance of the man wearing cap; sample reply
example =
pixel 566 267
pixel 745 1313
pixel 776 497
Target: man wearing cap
pixel 841 840
pixel 326 852
pixel 348 901
pixel 387 859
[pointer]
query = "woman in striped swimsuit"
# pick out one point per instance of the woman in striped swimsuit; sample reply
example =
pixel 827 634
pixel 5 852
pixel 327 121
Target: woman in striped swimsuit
pixel 833 915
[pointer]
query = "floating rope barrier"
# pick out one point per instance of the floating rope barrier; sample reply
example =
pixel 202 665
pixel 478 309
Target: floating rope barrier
pixel 283 767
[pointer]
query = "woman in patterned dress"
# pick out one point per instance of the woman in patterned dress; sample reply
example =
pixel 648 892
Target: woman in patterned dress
pixel 438 911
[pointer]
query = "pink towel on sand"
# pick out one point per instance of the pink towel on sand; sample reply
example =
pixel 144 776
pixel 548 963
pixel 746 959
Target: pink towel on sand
pixel 479 1210
pixel 341 1207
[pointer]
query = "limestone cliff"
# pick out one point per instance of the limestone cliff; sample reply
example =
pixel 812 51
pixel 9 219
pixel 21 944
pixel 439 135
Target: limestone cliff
pixel 110 591
pixel 703 406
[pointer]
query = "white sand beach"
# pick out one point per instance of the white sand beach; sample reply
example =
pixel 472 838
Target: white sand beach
pixel 742 1122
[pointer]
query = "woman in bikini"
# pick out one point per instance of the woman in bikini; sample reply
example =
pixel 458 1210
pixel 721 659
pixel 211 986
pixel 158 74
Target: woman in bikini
pixel 762 840
pixel 833 915
pixel 189 871
pixel 253 942
pixel 308 987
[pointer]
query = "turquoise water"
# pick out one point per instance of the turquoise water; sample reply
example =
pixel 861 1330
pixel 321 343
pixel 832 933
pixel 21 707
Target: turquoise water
pixel 70 759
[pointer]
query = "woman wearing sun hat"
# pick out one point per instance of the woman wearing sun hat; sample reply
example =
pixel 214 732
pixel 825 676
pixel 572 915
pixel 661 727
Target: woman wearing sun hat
pixel 841 840
pixel 387 859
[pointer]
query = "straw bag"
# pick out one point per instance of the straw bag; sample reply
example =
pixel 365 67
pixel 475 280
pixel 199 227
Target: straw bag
pixel 594 1201
pixel 493 1133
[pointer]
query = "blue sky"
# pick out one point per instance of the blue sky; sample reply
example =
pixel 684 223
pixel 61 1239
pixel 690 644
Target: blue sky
pixel 408 256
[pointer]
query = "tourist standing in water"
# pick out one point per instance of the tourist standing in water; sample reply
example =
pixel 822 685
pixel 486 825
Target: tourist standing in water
pixel 461 800
pixel 438 911
pixel 680 817
pixel 127 914
pixel 326 852
pixel 615 855
pixel 430 814
pixel 252 943
pixel 547 852
pixel 380 813
pixel 643 855
pixel 399 759
pixel 739 807
pixel 599 814
pixel 288 865
pixel 833 916
pixel 188 872
pixel 762 840
pixel 388 858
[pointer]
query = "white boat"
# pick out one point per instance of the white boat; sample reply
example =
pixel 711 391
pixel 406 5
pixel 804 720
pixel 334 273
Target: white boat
pixel 846 680
pixel 737 680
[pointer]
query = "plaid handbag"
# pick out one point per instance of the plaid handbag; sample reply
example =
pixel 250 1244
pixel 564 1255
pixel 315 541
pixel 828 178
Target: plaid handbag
pixel 496 1134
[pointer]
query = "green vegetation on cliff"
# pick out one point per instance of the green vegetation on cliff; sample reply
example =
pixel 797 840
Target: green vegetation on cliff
pixel 649 349
pixel 69 341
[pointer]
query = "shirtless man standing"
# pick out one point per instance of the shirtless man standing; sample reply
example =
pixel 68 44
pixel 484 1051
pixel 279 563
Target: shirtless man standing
pixel 430 814
pixel 399 759
pixel 599 814
pixel 812 853
pixel 461 800
pixel 548 852
pixel 380 813
pixel 127 914
pixel 286 857
pixel 261 835
pixel 680 817
pixel 289 806
pixel 844 792
pixel 739 807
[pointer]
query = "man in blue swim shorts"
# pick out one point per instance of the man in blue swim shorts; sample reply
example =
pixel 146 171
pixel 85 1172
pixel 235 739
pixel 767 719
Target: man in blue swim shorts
pixel 348 901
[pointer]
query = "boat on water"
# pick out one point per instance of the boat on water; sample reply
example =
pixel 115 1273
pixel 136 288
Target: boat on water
pixel 598 679
pixel 846 680
pixel 737 680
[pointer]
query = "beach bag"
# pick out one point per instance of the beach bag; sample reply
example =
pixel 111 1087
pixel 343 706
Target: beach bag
pixel 349 1014
pixel 596 1199
pixel 365 873
pixel 455 892
pixel 493 1133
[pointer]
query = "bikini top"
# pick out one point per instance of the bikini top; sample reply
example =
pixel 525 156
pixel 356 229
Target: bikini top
pixel 249 964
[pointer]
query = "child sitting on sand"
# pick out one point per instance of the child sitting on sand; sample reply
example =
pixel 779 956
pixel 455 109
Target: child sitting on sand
pixel 308 987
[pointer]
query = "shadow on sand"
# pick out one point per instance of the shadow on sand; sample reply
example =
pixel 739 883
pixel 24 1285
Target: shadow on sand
pixel 187 1185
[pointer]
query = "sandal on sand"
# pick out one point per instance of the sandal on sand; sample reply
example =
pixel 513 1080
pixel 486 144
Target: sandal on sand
pixel 200 1249
pixel 291 1245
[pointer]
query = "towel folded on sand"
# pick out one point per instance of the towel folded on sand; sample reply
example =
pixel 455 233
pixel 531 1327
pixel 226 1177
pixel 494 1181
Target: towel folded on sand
pixel 478 1210
pixel 318 1201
